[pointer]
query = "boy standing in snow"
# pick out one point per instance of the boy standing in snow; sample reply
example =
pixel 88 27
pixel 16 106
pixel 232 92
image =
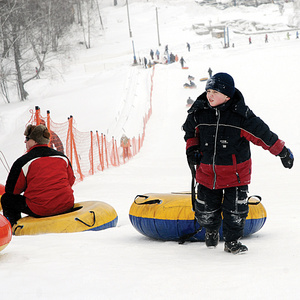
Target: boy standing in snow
pixel 218 129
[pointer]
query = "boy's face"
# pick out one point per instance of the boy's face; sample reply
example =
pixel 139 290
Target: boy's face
pixel 216 98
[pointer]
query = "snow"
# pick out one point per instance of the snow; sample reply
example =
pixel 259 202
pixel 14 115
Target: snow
pixel 103 92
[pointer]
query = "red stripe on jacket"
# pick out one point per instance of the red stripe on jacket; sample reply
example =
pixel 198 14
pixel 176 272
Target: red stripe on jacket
pixel 274 149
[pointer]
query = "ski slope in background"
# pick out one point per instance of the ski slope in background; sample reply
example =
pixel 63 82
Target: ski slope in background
pixel 103 92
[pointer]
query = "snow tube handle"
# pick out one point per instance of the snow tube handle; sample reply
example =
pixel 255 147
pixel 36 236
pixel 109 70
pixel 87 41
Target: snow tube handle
pixel 18 226
pixel 256 197
pixel 152 201
pixel 94 219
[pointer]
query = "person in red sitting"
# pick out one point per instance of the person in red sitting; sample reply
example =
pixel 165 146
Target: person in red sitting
pixel 40 182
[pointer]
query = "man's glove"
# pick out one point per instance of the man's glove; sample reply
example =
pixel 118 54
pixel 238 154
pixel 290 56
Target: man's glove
pixel 193 155
pixel 287 157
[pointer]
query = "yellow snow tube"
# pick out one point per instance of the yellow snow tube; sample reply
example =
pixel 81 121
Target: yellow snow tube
pixel 89 215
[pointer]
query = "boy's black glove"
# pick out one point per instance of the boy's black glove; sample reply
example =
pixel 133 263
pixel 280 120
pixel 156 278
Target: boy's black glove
pixel 193 155
pixel 287 157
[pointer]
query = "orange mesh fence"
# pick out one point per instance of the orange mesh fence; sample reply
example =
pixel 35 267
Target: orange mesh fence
pixel 90 152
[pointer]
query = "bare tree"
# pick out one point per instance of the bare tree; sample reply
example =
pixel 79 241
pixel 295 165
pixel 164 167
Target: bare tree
pixel 98 9
pixel 3 84
pixel 32 32
pixel 29 31
pixel 87 17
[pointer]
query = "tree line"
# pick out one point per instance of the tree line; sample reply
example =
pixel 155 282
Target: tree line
pixel 33 32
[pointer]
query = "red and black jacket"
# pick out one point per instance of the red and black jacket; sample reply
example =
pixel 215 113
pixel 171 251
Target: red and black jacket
pixel 222 135
pixel 46 178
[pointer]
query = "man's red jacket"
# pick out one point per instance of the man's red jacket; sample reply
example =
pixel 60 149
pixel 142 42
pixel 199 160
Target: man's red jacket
pixel 46 178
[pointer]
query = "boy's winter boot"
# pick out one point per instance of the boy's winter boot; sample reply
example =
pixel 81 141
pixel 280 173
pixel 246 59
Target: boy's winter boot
pixel 211 238
pixel 235 247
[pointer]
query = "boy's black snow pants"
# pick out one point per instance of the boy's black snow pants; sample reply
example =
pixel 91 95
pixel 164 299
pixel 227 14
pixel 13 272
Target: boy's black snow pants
pixel 232 202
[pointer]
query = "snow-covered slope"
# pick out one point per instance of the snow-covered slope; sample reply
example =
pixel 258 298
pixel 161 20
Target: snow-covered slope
pixel 100 88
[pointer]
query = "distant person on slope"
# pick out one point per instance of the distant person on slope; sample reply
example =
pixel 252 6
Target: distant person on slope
pixel 55 141
pixel 209 72
pixel 182 61
pixel 218 129
pixel 189 101
pixel 157 54
pixel 188 46
pixel 39 182
pixel 152 54
pixel 125 144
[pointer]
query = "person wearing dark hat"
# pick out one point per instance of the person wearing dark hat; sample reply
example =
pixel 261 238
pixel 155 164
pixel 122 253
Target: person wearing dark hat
pixel 40 182
pixel 218 129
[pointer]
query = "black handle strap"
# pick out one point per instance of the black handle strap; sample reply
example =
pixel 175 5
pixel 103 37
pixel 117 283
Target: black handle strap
pixel 152 201
pixel 256 202
pixel 193 185
pixel 186 237
pixel 94 220
pixel 18 226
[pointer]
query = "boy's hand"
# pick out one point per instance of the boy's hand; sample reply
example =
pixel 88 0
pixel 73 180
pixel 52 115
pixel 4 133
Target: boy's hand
pixel 287 157
pixel 193 155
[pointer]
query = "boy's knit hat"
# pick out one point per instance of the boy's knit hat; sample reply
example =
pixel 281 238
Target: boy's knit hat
pixel 221 82
pixel 39 133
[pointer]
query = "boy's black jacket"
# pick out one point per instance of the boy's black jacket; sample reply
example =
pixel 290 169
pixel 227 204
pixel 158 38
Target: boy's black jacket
pixel 222 134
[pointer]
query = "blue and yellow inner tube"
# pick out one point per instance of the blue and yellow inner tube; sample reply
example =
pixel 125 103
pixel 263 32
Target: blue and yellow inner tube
pixel 170 217
pixel 89 215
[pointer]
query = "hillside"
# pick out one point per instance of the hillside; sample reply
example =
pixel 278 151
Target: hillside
pixel 98 86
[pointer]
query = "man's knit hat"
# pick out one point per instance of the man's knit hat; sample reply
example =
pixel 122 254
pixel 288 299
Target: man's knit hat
pixel 221 82
pixel 39 133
